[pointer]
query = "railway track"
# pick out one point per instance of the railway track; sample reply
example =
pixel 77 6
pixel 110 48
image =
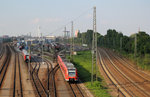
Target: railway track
pixel 123 81
pixel 142 83
pixel 5 64
pixel 130 66
pixel 51 78
pixel 112 78
pixel 17 88
pixel 41 91
pixel 76 90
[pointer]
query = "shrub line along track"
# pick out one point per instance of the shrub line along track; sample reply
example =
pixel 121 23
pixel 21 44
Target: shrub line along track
pixel 17 88
pixel 126 84
pixel 5 64
pixel 37 83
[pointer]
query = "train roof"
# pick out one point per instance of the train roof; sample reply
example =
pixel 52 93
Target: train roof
pixel 69 65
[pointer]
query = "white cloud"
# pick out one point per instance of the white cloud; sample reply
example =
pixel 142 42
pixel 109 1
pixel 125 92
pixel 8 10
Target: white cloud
pixel 45 20
pixel 52 20
pixel 2 25
pixel 35 21
pixel 104 22
pixel 88 16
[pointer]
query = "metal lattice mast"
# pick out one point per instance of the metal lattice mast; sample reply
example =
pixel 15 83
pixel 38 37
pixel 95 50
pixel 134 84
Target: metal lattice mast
pixel 135 48
pixel 95 31
pixel 65 32
pixel 94 47
pixel 120 43
pixel 72 42
pixel 66 35
pixel 135 42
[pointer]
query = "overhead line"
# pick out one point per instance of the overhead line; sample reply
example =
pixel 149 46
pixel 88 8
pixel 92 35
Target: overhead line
pixel 75 19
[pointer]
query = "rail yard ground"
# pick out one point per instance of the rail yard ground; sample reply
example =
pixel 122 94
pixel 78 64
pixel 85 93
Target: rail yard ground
pixel 43 80
pixel 116 76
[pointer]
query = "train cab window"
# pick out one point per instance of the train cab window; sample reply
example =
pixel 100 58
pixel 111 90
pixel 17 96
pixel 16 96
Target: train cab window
pixel 27 57
pixel 72 74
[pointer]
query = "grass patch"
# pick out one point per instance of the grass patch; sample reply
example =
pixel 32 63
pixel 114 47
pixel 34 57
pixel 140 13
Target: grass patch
pixel 83 63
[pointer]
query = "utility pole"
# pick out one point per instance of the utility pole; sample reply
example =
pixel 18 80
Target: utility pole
pixel 94 46
pixel 65 32
pixel 135 48
pixel 72 42
pixel 29 56
pixel 120 43
pixel 82 39
pixel 42 48
pixel 66 35
pixel 114 46
pixel 41 38
pixel 108 43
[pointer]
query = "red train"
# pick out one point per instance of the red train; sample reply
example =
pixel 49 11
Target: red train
pixel 68 69
pixel 26 56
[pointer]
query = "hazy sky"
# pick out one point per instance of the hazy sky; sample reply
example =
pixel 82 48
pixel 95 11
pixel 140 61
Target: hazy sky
pixel 19 17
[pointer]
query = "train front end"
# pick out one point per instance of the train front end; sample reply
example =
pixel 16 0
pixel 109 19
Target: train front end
pixel 72 73
pixel 27 57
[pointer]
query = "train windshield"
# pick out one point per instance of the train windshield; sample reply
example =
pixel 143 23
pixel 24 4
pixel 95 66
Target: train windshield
pixel 27 56
pixel 72 72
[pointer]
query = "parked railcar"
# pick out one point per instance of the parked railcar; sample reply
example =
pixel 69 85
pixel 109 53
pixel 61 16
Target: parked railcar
pixel 26 56
pixel 68 69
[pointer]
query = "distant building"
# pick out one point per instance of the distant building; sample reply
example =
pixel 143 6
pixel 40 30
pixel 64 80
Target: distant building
pixel 1 40
pixel 76 33
pixel 5 36
pixel 49 38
